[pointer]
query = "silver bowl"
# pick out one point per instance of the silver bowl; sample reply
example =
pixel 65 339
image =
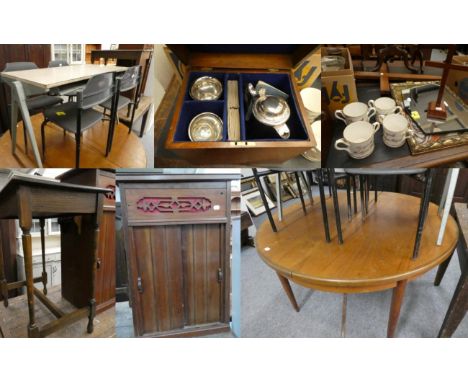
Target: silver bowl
pixel 206 89
pixel 206 127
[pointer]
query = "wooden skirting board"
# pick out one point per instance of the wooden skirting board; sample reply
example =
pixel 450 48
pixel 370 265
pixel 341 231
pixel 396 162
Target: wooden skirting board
pixel 127 149
pixel 14 319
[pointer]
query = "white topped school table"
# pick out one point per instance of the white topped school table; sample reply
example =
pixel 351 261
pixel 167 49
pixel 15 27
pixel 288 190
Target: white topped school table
pixel 26 82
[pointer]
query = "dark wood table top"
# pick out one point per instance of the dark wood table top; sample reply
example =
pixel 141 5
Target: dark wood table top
pixel 49 198
pixel 376 253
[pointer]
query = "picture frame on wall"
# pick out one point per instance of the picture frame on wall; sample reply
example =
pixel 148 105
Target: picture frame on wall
pixel 254 202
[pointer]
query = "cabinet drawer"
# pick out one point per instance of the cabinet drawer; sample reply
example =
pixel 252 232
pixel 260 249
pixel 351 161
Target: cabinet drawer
pixel 175 204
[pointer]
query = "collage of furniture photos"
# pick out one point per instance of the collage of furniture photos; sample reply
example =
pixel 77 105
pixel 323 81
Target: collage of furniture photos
pixel 233 191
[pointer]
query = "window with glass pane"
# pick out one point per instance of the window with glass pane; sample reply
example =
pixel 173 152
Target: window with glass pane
pixel 36 228
pixel 60 52
pixel 77 52
pixel 71 53
pixel 54 226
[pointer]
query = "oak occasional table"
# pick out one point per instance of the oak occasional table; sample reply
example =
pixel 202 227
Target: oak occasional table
pixel 79 209
pixel 376 255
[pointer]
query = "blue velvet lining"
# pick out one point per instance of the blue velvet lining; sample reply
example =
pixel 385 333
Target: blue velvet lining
pixel 251 130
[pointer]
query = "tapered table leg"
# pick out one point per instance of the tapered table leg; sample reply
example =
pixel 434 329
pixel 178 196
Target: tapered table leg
pixel 353 177
pixel 441 271
pixel 348 196
pixel 44 273
pixel 308 188
pixel 397 300
pixel 457 308
pixel 287 288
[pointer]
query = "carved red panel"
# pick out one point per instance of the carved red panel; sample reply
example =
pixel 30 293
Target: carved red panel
pixel 172 205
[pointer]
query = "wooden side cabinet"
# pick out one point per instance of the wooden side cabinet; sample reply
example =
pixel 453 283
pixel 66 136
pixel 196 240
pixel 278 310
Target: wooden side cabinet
pixel 177 239
pixel 106 264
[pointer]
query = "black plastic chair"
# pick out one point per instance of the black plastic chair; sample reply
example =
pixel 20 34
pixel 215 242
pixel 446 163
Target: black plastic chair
pixel 76 117
pixel 57 63
pixel 130 80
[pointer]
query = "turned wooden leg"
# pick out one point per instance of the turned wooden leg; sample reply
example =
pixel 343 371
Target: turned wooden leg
pixel 457 308
pixel 3 281
pixel 44 273
pixel 344 308
pixel 397 299
pixel 441 271
pixel 287 288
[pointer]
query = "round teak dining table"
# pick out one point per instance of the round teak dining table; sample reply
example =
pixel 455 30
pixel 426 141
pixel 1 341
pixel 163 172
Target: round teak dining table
pixel 376 254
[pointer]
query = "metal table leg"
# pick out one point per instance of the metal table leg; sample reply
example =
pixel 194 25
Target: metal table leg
pixel 18 97
pixel 323 205
pixel 278 196
pixel 449 190
pixel 264 200
pixel 332 181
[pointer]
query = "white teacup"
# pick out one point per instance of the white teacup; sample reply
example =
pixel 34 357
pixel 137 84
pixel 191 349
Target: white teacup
pixel 385 106
pixel 358 139
pixel 355 111
pixel 395 129
pixel 311 98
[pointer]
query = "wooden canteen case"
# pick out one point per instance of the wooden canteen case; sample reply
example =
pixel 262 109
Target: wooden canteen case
pixel 177 238
pixel 106 264
pixel 246 64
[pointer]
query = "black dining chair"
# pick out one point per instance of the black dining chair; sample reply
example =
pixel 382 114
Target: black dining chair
pixel 36 99
pixel 77 117
pixel 130 80
pixel 57 63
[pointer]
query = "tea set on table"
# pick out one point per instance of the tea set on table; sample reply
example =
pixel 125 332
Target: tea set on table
pixel 358 135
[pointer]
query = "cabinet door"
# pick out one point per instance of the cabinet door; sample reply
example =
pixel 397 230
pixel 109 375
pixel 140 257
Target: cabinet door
pixel 178 281
pixel 157 281
pixel 203 248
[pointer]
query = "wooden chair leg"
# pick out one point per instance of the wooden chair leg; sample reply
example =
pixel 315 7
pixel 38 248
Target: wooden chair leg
pixel 44 273
pixel 457 308
pixel 343 315
pixel 441 271
pixel 287 288
pixel 323 205
pixel 397 300
pixel 264 200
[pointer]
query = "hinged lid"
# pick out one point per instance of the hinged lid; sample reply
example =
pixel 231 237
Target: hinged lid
pixel 242 56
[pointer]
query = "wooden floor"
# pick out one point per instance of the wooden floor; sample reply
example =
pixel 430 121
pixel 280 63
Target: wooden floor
pixel 14 319
pixel 127 149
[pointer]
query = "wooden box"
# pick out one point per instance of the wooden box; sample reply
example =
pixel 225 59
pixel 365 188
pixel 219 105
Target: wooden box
pixel 338 86
pixel 259 144
pixel 177 238
pixel 106 265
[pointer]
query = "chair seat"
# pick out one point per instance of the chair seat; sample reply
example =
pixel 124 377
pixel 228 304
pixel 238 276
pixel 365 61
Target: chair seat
pixel 65 116
pixel 123 101
pixel 42 102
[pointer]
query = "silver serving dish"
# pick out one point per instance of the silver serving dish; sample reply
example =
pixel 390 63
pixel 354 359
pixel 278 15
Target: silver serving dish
pixel 206 127
pixel 206 89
